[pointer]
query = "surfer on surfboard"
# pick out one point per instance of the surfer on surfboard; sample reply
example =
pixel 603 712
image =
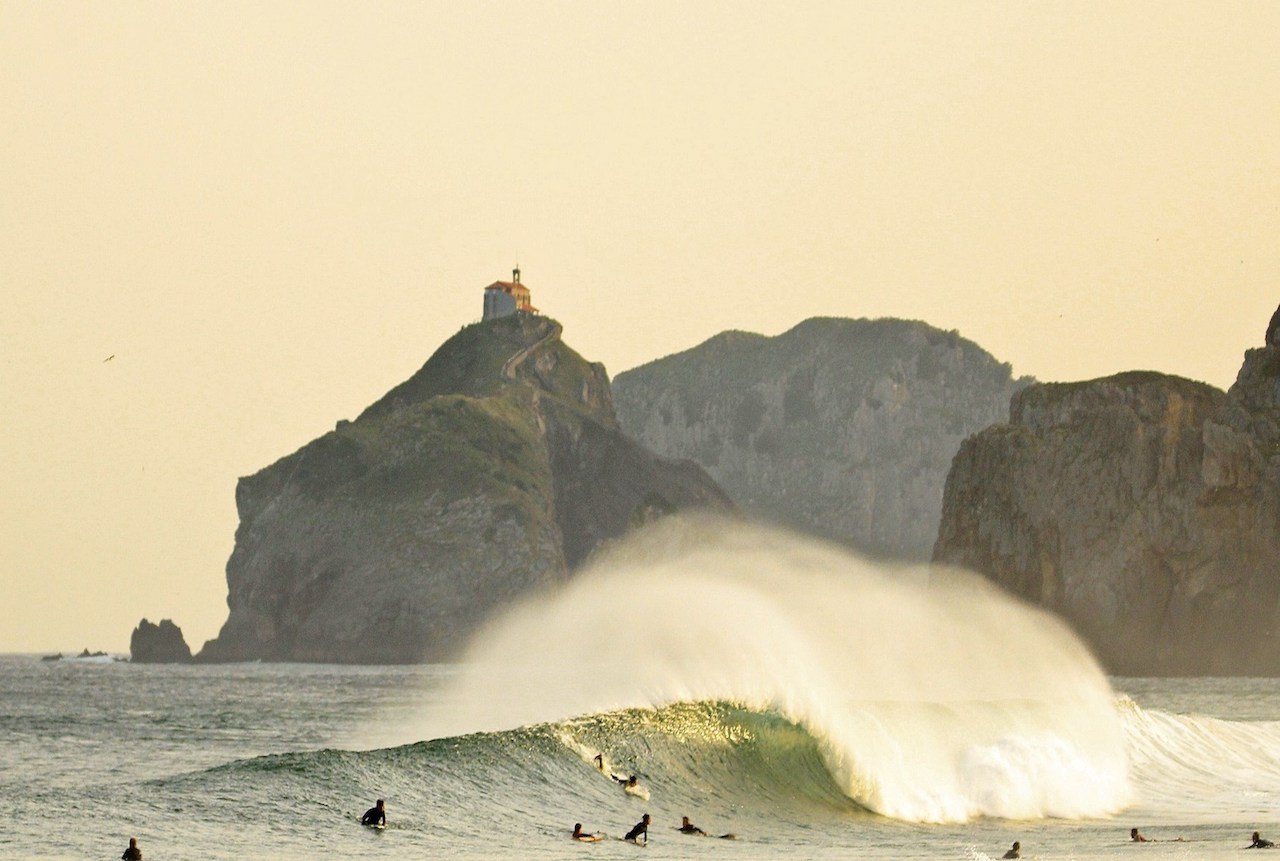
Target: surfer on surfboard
pixel 641 829
pixel 687 827
pixel 376 815
pixel 579 834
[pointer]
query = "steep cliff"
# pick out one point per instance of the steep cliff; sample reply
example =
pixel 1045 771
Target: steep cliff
pixel 840 428
pixel 1142 507
pixel 484 476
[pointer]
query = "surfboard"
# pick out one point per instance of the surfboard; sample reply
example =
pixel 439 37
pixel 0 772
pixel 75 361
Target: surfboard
pixel 638 791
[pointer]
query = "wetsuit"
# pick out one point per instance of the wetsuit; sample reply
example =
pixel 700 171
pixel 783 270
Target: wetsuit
pixel 133 853
pixel 374 816
pixel 692 829
pixel 641 828
pixel 1259 843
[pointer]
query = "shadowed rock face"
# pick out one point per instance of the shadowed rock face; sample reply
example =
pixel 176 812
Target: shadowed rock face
pixel 158 644
pixel 1144 508
pixel 839 428
pixel 491 473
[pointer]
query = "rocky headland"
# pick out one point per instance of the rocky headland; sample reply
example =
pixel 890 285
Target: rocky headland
pixel 1144 508
pixel 494 471
pixel 840 428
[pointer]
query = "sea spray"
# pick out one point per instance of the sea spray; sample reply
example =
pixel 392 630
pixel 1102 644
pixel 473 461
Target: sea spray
pixel 934 696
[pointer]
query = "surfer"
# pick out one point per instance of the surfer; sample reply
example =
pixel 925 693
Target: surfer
pixel 579 834
pixel 376 815
pixel 687 827
pixel 627 782
pixel 1014 852
pixel 133 853
pixel 1137 836
pixel 1259 843
pixel 641 828
pixel 599 761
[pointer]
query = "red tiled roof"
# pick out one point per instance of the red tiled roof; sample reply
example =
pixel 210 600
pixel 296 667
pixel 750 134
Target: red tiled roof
pixel 507 286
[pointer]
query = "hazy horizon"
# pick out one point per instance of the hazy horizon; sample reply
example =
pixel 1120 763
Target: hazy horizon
pixel 270 215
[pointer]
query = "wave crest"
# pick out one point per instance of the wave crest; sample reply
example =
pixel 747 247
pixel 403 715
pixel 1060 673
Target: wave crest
pixel 933 697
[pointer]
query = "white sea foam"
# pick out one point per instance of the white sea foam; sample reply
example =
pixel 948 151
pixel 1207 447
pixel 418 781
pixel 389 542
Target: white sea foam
pixel 1205 768
pixel 935 696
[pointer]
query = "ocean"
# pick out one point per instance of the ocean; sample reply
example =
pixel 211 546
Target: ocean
pixel 273 761
pixel 813 704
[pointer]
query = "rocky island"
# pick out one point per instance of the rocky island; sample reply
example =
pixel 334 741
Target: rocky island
pixel 492 472
pixel 1144 508
pixel 158 644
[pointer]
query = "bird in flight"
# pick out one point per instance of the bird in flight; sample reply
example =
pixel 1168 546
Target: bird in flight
pixel 109 358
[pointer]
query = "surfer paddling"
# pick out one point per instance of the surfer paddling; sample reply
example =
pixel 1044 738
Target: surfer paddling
pixel 641 829
pixel 687 827
pixel 133 853
pixel 1014 852
pixel 1259 843
pixel 1136 836
pixel 376 815
pixel 579 834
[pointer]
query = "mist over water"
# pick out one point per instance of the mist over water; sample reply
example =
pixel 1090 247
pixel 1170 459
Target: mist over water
pixel 933 697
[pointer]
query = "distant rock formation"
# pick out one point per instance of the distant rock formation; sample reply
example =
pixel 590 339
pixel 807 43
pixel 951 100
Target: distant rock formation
pixel 1144 508
pixel 158 644
pixel 839 428
pixel 494 471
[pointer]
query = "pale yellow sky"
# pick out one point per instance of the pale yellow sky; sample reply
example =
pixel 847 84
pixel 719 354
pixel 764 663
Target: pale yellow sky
pixel 272 213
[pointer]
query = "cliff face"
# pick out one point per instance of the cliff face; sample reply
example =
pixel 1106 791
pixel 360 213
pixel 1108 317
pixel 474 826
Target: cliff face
pixel 391 538
pixel 1144 508
pixel 840 428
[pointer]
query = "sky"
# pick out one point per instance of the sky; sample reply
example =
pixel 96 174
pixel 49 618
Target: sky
pixel 268 214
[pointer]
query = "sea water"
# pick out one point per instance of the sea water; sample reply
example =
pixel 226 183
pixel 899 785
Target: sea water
pixel 270 761
pixel 810 703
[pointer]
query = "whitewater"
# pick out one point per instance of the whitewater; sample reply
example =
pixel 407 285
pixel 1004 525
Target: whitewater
pixel 813 703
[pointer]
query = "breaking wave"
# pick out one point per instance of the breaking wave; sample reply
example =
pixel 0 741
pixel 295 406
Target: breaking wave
pixel 929 695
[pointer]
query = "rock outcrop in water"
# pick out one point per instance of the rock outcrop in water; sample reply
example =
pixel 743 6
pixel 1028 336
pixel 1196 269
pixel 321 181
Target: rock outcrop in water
pixel 158 644
pixel 492 472
pixel 1144 508
pixel 839 428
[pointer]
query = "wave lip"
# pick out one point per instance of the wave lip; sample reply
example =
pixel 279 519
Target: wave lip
pixel 933 697
pixel 1205 768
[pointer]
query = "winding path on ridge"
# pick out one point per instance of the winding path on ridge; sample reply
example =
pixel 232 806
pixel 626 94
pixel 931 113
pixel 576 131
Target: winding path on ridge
pixel 512 364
